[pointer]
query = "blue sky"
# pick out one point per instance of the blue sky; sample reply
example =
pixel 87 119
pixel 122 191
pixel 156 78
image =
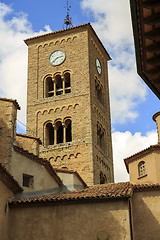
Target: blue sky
pixel 132 102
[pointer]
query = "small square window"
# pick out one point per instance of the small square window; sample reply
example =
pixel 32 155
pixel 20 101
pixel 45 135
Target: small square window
pixel 27 180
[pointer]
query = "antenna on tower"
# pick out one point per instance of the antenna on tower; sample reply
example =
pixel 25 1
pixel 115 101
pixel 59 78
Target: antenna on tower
pixel 67 20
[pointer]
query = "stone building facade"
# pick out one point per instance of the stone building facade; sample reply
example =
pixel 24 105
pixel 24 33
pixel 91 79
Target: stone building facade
pixel 68 101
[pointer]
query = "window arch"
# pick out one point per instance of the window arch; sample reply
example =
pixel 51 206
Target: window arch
pixel 67 79
pixel 68 130
pixel 100 136
pixel 57 84
pixel 49 87
pixel 49 136
pixel 99 90
pixel 141 169
pixel 103 178
pixel 59 129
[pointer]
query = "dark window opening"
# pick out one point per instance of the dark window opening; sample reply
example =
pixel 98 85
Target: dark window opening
pixel 27 180
pixel 49 134
pixel 49 87
pixel 59 85
pixel 59 132
pixel 67 83
pixel 68 130
pixel 100 137
pixel 103 178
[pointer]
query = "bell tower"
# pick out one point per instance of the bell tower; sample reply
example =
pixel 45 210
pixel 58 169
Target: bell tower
pixel 68 101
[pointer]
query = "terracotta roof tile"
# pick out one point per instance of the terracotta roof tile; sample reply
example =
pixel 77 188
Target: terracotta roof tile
pixel 105 191
pixel 11 100
pixel 141 153
pixel 42 161
pixel 9 181
pixel 146 187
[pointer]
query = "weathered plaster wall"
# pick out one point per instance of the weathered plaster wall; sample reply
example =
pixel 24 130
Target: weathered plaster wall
pixel 151 160
pixel 5 194
pixel 146 215
pixel 70 221
pixel 23 165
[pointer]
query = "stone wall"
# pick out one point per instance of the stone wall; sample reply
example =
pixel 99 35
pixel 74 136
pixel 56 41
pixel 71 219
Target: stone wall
pixel 8 116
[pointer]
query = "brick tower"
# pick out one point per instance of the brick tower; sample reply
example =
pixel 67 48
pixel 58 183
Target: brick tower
pixel 68 101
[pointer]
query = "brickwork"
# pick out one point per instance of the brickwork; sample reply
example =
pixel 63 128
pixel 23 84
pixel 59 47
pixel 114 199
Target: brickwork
pixel 81 106
pixel 8 115
pixel 28 143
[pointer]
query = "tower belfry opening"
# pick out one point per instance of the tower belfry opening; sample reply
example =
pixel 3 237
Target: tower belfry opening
pixel 67 20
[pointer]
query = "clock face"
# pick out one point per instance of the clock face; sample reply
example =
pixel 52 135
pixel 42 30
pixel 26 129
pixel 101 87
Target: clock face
pixel 98 66
pixel 57 57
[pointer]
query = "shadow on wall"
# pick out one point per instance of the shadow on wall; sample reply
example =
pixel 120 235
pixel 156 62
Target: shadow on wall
pixel 146 215
pixel 84 220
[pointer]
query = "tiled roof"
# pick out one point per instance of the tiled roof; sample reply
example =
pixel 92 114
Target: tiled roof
pixel 42 161
pixel 14 101
pixel 105 191
pixel 66 170
pixel 9 181
pixel 66 30
pixel 141 153
pixel 146 187
pixel 27 136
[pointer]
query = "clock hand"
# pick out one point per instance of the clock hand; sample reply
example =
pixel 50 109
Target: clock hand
pixel 56 58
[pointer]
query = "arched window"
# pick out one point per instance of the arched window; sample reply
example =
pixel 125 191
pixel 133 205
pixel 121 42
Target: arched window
pixel 103 178
pixel 67 82
pixel 59 129
pixel 49 138
pixel 100 136
pixel 59 85
pixel 68 127
pixel 99 90
pixel 49 87
pixel 141 169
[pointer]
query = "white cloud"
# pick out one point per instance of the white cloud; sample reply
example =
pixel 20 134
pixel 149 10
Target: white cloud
pixel 113 25
pixel 124 145
pixel 14 28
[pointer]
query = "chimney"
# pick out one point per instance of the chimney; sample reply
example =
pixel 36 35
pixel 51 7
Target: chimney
pixel 156 118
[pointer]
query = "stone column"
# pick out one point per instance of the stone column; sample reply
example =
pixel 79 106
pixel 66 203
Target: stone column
pixel 156 118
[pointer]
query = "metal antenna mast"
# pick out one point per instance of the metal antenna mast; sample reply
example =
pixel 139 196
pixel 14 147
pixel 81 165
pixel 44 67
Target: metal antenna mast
pixel 67 20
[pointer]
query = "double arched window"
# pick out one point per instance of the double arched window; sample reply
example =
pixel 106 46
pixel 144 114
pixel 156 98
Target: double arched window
pixel 100 136
pixel 57 84
pixel 103 178
pixel 141 169
pixel 99 90
pixel 58 132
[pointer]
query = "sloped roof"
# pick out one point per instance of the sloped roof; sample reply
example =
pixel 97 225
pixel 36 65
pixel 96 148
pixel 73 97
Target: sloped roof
pixel 75 28
pixel 141 153
pixel 96 192
pixel 146 187
pixel 9 181
pixel 27 136
pixel 14 101
pixel 146 28
pixel 41 161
